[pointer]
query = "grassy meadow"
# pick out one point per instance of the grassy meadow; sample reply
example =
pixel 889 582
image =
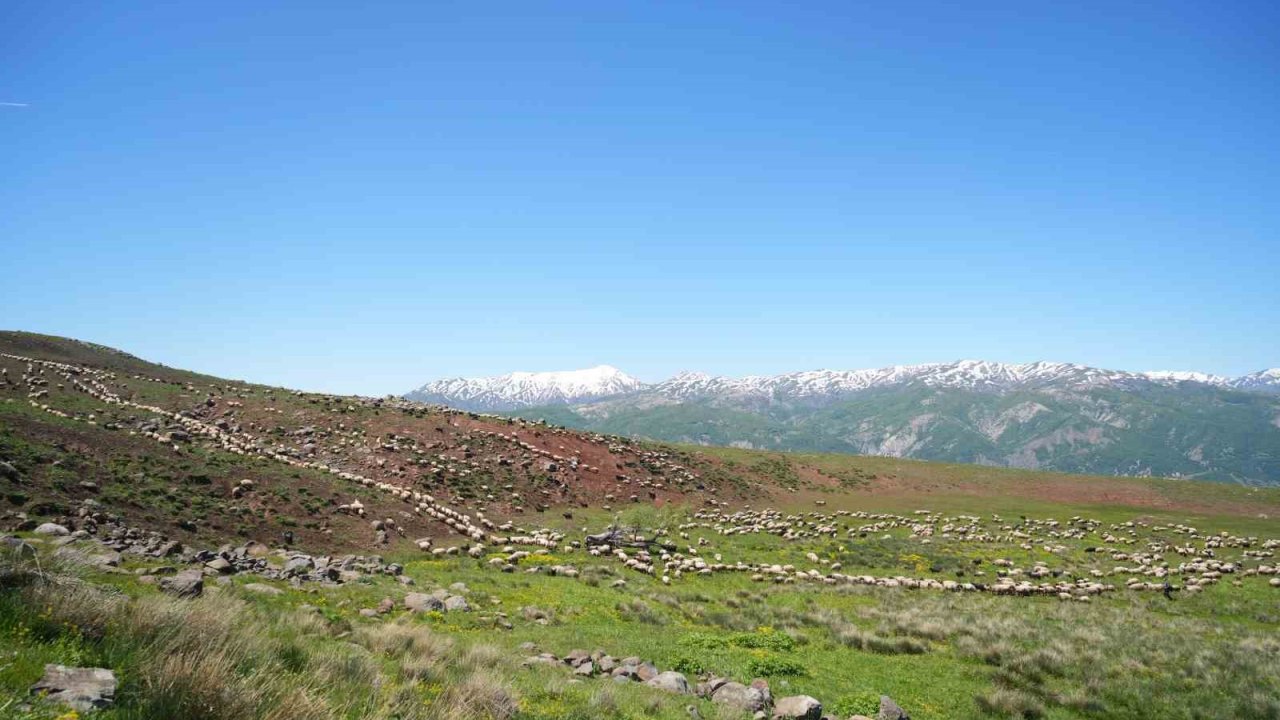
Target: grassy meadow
pixel 308 652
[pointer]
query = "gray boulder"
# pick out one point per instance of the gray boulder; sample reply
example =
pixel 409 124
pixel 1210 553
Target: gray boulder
pixel 84 689
pixel 186 584
pixel 300 565
pixel 421 602
pixel 798 706
pixel 17 548
pixel 110 558
pixel 743 697
pixel 456 603
pixel 889 710
pixel 52 529
pixel 670 681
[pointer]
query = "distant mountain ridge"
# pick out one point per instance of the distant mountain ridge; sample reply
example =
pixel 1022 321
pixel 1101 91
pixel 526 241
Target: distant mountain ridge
pixel 1046 415
pixel 523 389
pixel 527 389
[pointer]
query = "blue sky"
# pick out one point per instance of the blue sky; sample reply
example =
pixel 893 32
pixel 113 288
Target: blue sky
pixel 340 197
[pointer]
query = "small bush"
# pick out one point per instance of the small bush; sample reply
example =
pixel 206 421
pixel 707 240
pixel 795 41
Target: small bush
pixel 774 666
pixel 864 703
pixel 765 639
pixel 688 665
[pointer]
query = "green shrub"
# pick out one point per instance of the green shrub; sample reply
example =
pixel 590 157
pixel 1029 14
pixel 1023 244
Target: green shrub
pixel 764 640
pixel 863 703
pixel 688 665
pixel 773 666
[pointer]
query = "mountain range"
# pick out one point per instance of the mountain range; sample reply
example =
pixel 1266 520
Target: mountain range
pixel 1048 415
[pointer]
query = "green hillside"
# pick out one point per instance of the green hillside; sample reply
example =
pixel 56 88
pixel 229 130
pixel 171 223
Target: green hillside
pixel 1187 430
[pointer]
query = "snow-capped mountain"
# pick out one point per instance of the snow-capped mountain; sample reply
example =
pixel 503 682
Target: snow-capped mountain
pixel 833 384
pixel 1047 415
pixel 522 389
pixel 528 389
pixel 1267 381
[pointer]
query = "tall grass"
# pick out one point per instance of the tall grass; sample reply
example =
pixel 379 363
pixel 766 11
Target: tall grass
pixel 222 658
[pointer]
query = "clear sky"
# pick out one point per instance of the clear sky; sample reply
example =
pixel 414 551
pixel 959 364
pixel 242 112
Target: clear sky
pixel 365 196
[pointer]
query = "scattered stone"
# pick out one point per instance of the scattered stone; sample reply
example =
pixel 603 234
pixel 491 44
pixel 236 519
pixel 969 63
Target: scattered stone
pixel 18 548
pixel 53 529
pixel 744 697
pixel 421 602
pixel 263 589
pixel 889 710
pixel 84 689
pixel 798 706
pixel 672 682
pixel 299 565
pixel 186 584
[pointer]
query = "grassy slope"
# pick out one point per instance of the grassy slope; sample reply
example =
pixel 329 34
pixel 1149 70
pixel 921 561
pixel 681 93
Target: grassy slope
pixel 1124 656
pixel 941 656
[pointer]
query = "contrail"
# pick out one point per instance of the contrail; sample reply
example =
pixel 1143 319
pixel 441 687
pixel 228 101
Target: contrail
pixel 9 104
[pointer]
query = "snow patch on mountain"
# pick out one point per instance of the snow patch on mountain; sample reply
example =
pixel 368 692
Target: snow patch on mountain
pixel 968 374
pixel 528 389
pixel 1177 376
pixel 1261 381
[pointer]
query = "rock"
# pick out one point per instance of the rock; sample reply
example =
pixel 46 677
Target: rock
pixel 263 589
pixel 18 548
pixel 421 602
pixel 646 671
pixel 743 697
pixel 110 558
pixel 173 547
pixel 386 606
pixel 456 603
pixel 84 689
pixel 798 706
pixel 186 584
pixel 219 565
pixel 576 657
pixel 8 471
pixel 528 647
pixel 889 710
pixel 300 565
pixel 368 612
pixel 587 668
pixel 670 681
pixel 52 529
